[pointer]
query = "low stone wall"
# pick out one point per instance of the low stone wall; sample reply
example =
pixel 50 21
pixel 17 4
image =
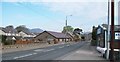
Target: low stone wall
pixel 23 42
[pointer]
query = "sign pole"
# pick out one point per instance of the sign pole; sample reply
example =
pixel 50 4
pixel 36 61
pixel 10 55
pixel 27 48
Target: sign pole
pixel 108 32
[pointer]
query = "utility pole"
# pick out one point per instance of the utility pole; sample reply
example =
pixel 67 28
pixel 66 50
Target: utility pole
pixel 66 29
pixel 66 24
pixel 112 32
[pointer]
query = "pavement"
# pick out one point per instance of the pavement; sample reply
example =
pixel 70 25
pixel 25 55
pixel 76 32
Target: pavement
pixel 86 52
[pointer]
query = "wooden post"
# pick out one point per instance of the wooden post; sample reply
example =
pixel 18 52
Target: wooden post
pixel 112 32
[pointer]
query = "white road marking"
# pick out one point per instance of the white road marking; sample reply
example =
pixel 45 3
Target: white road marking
pixel 52 49
pixel 15 57
pixel 38 50
pixel 67 45
pixel 24 56
pixel 48 50
pixel 61 47
pixel 34 53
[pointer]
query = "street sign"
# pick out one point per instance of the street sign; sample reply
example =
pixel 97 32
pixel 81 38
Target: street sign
pixel 117 35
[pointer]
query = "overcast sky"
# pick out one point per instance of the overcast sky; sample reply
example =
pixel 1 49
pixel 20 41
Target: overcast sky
pixel 51 14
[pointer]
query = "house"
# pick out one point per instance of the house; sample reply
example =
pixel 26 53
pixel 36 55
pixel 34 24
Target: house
pixel 8 32
pixel 26 34
pixel 50 36
pixel 102 39
pixel 70 35
pixel 2 32
pixel 11 32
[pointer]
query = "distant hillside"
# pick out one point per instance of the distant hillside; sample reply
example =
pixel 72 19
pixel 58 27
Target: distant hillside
pixel 36 30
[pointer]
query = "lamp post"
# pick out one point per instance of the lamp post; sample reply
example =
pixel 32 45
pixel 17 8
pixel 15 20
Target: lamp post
pixel 108 31
pixel 66 26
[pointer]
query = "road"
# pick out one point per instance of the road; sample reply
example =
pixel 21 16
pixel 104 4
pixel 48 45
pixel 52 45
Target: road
pixel 47 53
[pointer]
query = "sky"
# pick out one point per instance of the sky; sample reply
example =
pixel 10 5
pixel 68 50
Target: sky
pixel 51 14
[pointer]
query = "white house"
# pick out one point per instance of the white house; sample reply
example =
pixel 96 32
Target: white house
pixel 26 34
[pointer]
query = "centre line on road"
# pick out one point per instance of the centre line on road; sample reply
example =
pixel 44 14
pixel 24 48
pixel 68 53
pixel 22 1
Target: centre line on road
pixel 61 47
pixel 67 45
pixel 50 49
pixel 24 56
pixel 38 50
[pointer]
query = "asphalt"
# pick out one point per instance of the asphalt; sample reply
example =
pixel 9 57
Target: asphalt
pixel 86 52
pixel 47 53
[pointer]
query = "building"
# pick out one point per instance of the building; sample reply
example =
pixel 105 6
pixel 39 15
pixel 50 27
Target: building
pixel 52 37
pixel 12 35
pixel 88 36
pixel 102 39
pixel 26 34
pixel 8 32
pixel 2 32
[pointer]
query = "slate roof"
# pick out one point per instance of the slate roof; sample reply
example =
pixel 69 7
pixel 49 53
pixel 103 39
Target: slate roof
pixel 3 29
pixel 27 32
pixel 56 34
pixel 6 30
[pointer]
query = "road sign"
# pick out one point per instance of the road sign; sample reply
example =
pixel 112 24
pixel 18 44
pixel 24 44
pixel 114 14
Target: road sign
pixel 117 35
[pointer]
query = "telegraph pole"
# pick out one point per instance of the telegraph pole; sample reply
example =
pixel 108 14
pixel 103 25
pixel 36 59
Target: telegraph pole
pixel 112 32
pixel 66 29
pixel 66 24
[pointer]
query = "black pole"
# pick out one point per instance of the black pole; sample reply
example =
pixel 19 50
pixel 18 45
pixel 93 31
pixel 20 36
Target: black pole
pixel 112 32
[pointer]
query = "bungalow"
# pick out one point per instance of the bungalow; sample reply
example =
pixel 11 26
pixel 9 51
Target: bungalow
pixel 49 36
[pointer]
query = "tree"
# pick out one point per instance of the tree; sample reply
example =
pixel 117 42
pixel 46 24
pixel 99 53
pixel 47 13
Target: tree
pixel 94 37
pixel 67 29
pixel 10 28
pixel 94 32
pixel 76 34
pixel 3 38
pixel 77 31
pixel 83 38
pixel 22 28
pixel 77 37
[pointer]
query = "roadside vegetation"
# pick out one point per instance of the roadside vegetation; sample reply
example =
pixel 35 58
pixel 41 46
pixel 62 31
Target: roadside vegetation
pixel 94 37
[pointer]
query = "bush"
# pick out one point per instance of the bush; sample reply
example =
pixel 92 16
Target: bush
pixel 9 42
pixel 94 42
pixel 83 38
pixel 3 38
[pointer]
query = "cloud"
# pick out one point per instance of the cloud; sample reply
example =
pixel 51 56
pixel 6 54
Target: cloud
pixel 56 0
pixel 91 10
